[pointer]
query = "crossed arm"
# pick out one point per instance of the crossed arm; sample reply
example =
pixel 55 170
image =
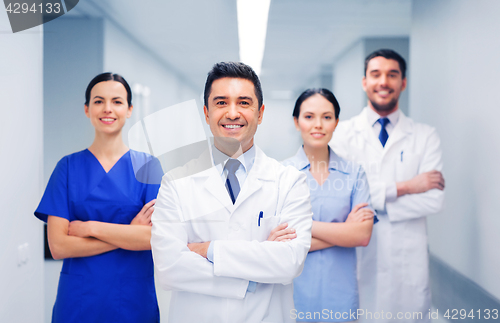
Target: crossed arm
pixel 421 183
pixel 354 232
pixel 423 194
pixel 82 239
pixel 280 233
pixel 236 262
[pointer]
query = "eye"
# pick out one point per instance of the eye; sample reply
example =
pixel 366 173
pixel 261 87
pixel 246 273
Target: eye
pixel 97 101
pixel 328 117
pixel 244 103
pixel 220 103
pixel 308 117
pixel 118 102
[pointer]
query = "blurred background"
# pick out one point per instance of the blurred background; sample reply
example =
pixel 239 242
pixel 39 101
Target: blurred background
pixel 165 48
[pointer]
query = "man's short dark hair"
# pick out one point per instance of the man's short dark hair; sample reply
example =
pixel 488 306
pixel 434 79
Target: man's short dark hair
pixel 233 70
pixel 388 54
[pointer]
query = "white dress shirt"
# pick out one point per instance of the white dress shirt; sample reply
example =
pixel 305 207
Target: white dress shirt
pixel 246 162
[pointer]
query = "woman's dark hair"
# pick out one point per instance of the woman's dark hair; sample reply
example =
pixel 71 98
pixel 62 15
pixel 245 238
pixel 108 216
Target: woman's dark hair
pixel 108 77
pixel 327 94
pixel 233 70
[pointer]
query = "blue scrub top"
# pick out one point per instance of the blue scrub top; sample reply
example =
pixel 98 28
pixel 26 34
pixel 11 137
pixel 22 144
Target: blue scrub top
pixel 328 283
pixel 115 286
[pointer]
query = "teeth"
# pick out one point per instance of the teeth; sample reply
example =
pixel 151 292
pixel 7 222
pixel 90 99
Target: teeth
pixel 107 119
pixel 232 126
pixel 383 92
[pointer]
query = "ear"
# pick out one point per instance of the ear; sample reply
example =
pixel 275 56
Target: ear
pixel 363 83
pixel 403 87
pixel 129 112
pixel 87 111
pixel 296 121
pixel 261 113
pixel 336 124
pixel 205 110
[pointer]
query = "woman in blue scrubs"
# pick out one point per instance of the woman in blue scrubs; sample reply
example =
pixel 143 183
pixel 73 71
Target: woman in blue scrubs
pixel 327 291
pixel 98 205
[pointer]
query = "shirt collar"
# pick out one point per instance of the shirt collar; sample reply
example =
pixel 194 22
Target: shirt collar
pixel 374 116
pixel 335 162
pixel 246 159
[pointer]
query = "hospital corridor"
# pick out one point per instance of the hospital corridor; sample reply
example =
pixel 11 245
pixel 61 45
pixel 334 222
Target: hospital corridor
pixel 434 253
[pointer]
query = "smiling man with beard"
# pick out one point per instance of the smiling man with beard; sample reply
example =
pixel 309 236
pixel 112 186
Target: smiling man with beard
pixel 402 160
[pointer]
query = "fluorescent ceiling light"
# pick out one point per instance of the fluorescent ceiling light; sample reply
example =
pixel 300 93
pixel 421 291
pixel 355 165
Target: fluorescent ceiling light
pixel 252 28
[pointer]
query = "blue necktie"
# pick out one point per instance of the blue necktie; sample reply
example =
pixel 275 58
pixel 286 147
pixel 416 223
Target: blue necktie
pixel 232 184
pixel 383 133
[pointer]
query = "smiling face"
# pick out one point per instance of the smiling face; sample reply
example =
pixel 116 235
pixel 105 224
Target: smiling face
pixel 108 109
pixel 383 84
pixel 233 112
pixel 316 122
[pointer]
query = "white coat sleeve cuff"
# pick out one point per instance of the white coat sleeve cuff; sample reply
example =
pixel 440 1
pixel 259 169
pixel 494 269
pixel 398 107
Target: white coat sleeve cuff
pixel 377 195
pixel 391 192
pixel 252 286
pixel 210 252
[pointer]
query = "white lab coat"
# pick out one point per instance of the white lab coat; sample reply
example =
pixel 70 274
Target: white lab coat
pixel 197 208
pixel 393 269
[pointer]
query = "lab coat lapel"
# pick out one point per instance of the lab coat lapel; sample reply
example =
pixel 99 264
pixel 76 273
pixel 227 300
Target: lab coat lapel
pixel 255 178
pixel 214 186
pixel 365 129
pixel 403 128
pixel 207 178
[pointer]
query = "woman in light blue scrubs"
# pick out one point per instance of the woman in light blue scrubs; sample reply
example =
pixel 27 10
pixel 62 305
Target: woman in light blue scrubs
pixel 327 289
pixel 98 205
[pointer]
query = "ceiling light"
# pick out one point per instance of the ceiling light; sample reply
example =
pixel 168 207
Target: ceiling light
pixel 252 28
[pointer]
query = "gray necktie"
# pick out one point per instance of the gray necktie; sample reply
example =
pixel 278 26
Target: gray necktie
pixel 232 184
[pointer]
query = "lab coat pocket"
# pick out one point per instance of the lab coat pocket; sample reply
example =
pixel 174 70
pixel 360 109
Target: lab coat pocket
pixel 407 165
pixel 68 306
pixel 262 226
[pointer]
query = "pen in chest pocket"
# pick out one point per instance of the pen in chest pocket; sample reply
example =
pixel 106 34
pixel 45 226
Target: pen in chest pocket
pixel 401 156
pixel 261 215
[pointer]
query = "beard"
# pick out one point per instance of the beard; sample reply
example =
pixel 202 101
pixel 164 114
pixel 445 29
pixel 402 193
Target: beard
pixel 385 107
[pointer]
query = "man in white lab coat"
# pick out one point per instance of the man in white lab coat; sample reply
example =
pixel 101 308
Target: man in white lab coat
pixel 402 160
pixel 220 239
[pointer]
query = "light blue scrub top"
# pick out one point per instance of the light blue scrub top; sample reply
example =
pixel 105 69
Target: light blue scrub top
pixel 328 283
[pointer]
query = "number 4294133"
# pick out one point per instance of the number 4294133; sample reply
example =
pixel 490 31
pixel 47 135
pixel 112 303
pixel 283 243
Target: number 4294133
pixel 34 8
pixel 486 314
